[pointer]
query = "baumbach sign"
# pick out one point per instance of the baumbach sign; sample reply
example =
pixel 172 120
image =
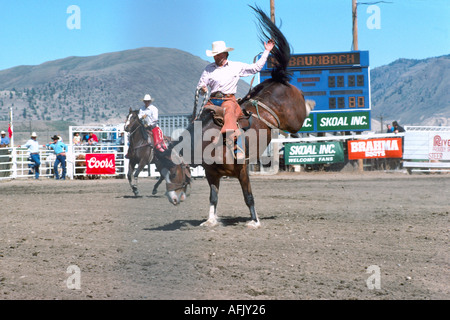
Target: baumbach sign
pixel 313 153
pixel 100 163
pixel 321 60
pixel 375 148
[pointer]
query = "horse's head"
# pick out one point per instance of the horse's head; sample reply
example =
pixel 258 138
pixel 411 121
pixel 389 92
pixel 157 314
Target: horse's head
pixel 180 180
pixel 176 173
pixel 132 120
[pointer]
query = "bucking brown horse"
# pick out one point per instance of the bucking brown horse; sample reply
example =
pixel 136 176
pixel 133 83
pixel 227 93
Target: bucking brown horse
pixel 272 105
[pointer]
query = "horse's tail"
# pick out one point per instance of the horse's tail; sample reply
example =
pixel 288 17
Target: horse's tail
pixel 281 51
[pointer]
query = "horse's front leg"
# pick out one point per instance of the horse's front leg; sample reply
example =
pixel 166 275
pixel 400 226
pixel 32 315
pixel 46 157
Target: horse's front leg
pixel 214 183
pixel 244 180
pixel 135 176
pixel 155 188
pixel 132 180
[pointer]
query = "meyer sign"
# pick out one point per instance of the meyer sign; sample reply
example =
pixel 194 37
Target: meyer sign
pixel 439 146
pixel 313 153
pixel 100 163
pixel 375 148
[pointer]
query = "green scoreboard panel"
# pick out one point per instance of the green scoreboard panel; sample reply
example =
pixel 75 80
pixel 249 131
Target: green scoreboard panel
pixel 338 82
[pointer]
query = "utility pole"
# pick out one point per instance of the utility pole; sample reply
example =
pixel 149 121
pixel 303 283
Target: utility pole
pixel 355 47
pixel 355 24
pixel 272 10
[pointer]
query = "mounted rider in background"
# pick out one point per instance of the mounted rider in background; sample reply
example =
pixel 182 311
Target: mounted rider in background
pixel 149 115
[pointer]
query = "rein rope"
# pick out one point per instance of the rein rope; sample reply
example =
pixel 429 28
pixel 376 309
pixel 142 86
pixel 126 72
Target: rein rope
pixel 257 104
pixel 205 99
pixel 253 78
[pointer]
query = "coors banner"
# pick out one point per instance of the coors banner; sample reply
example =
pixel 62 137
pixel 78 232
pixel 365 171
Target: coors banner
pixel 100 163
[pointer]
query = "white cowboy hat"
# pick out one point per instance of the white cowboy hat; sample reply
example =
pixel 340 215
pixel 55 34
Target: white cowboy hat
pixel 3 132
pixel 147 97
pixel 34 134
pixel 218 47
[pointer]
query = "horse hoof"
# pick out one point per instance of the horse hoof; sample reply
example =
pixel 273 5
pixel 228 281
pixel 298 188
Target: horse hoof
pixel 154 192
pixel 209 223
pixel 253 224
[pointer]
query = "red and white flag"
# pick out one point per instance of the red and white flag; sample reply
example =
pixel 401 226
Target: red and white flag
pixel 10 132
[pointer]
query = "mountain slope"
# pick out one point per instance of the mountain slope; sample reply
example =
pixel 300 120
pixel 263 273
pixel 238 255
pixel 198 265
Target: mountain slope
pixel 415 92
pixel 102 88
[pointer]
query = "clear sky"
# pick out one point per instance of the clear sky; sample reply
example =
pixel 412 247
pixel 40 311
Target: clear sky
pixel 36 31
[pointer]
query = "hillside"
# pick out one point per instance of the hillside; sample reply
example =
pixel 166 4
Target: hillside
pixel 101 89
pixel 415 92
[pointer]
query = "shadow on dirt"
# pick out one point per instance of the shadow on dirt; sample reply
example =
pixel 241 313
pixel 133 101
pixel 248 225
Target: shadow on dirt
pixel 188 224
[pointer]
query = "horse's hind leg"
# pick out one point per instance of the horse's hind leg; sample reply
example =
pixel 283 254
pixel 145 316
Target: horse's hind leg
pixel 214 183
pixel 244 180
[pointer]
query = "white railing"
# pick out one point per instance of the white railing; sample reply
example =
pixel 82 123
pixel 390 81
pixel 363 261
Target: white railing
pixel 419 155
pixel 16 163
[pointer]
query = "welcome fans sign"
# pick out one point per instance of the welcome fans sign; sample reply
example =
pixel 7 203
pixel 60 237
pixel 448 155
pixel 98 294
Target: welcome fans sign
pixel 313 153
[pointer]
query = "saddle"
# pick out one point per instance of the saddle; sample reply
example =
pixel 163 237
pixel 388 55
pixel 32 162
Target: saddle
pixel 244 122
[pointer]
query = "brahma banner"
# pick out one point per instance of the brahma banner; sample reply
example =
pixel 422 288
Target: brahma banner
pixel 100 163
pixel 375 148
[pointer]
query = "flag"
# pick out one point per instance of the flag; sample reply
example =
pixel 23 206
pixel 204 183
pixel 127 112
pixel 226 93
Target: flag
pixel 10 131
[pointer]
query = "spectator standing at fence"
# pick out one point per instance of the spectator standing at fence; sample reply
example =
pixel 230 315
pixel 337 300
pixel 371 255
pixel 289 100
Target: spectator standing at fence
pixel 85 138
pixel 60 149
pixel 397 128
pixel 76 139
pixel 33 148
pixel 389 128
pixel 4 141
pixel 92 139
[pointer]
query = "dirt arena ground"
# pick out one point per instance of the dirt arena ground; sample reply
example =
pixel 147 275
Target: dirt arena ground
pixel 320 234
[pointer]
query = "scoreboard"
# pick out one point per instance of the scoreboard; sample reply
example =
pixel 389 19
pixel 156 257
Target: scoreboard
pixel 338 82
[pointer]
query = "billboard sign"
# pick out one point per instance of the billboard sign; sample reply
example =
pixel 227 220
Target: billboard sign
pixel 339 83
pixel 100 163
pixel 313 153
pixel 375 148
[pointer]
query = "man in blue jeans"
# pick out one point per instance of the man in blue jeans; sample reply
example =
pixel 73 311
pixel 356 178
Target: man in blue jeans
pixel 33 147
pixel 60 149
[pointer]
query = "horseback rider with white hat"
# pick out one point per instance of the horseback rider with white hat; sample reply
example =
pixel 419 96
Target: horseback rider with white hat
pixel 149 114
pixel 222 78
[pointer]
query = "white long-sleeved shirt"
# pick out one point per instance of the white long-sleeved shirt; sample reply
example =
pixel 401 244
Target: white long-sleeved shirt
pixel 152 114
pixel 225 78
pixel 32 145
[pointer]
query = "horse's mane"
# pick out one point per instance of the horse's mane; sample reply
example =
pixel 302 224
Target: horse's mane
pixel 281 51
pixel 143 131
